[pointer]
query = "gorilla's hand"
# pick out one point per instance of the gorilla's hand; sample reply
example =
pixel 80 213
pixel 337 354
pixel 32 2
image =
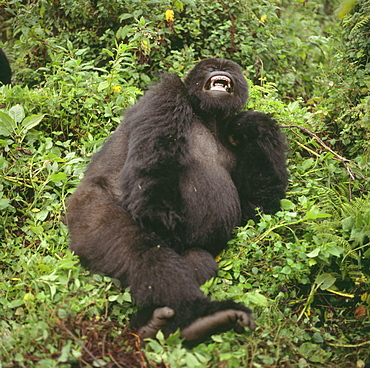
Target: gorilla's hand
pixel 251 125
pixel 202 327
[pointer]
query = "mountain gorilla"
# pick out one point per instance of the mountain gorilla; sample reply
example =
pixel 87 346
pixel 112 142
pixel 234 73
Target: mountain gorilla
pixel 5 71
pixel 162 197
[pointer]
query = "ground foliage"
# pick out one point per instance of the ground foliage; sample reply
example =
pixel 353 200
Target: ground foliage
pixel 305 271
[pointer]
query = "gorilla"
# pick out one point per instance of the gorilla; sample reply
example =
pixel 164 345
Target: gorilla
pixel 164 194
pixel 5 71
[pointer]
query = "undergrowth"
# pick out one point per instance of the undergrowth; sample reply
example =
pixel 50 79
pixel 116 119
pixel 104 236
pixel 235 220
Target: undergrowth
pixel 305 271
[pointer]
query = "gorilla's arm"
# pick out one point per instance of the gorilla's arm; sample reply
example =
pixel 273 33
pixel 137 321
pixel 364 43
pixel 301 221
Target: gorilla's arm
pixel 260 174
pixel 157 155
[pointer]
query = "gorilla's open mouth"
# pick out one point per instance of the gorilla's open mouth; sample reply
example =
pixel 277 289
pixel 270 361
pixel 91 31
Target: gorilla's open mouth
pixel 219 82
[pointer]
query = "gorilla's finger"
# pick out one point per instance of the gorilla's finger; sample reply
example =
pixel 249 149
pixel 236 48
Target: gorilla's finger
pixel 158 321
pixel 218 322
pixel 243 320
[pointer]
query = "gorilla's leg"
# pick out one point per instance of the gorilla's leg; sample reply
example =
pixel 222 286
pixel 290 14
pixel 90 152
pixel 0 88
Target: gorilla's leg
pixel 107 240
pixel 202 264
pixel 162 281
pixel 204 267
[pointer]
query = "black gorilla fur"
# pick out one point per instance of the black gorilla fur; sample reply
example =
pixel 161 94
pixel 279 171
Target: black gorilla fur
pixel 5 71
pixel 162 197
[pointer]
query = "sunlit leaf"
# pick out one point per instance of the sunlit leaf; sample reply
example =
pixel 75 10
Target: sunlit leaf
pixel 31 121
pixel 325 281
pixel 60 176
pixel 7 124
pixel 17 113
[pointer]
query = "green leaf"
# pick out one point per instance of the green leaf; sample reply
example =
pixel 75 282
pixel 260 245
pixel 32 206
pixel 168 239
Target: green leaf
pixel 60 176
pixel 127 297
pixel 347 223
pixel 123 32
pixel 103 85
pixel 189 2
pixel 226 265
pixel 217 338
pixel 160 337
pixel 179 6
pixel 4 203
pixel 125 16
pixel 17 113
pixel 314 214
pixel 335 250
pixel 313 352
pixel 314 253
pixel 191 360
pixel 41 215
pixel 345 8
pixel 15 303
pixel 29 297
pixel 256 299
pixel 287 205
pixel 325 281
pixel 31 121
pixel 7 124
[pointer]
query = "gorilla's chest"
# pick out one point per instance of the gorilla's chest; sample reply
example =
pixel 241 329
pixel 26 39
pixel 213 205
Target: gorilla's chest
pixel 209 194
pixel 206 150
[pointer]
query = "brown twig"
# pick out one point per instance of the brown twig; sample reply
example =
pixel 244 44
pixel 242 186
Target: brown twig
pixel 70 333
pixel 340 158
pixel 78 341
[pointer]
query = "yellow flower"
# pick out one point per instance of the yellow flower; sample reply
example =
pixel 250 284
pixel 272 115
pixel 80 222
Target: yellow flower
pixel 263 18
pixel 170 15
pixel 117 88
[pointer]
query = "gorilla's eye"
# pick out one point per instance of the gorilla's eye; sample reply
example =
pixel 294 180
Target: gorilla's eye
pixel 219 83
pixel 211 68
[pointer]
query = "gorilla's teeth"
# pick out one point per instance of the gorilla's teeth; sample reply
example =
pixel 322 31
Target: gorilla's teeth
pixel 220 83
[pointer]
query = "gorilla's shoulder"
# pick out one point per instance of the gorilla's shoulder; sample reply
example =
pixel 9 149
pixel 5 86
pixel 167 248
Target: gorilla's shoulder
pixel 161 98
pixel 169 84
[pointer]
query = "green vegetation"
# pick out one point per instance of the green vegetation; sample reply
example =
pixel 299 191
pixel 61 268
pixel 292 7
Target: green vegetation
pixel 305 271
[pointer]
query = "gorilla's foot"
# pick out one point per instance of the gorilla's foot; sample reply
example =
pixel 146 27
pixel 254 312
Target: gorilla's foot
pixel 202 327
pixel 218 322
pixel 158 321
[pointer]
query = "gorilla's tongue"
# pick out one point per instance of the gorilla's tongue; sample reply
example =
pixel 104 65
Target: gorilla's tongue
pixel 220 83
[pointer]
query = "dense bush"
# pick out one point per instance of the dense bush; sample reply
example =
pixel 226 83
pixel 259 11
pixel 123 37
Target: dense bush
pixel 343 87
pixel 279 41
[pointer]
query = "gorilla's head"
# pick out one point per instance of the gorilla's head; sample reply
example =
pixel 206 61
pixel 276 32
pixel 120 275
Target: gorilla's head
pixel 217 88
